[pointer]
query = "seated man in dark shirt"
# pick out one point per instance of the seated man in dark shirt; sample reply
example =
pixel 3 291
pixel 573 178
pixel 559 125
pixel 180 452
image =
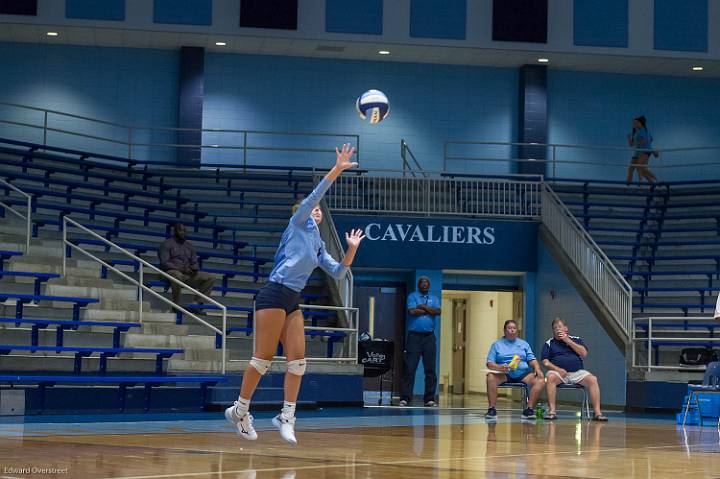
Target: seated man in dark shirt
pixel 179 260
pixel 563 356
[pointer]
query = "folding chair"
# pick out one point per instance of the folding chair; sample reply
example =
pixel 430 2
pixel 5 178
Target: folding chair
pixel 710 385
pixel 523 386
pixel 585 406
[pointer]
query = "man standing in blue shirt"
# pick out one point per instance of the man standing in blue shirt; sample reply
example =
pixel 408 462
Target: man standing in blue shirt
pixel 424 309
pixel 563 356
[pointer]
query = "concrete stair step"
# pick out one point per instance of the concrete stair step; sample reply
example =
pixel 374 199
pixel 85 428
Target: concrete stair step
pixel 185 365
pixel 58 363
pixel 143 340
pixel 101 336
pixel 197 366
pixel 164 328
pixel 54 264
pixel 119 304
pixel 118 292
pixel 126 315
pixel 83 282
pixel 214 355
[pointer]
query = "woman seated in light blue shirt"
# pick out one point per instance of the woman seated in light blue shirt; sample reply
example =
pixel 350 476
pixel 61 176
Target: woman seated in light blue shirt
pixel 524 369
pixel 277 313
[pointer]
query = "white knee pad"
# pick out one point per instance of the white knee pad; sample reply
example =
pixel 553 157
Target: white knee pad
pixel 261 365
pixel 296 367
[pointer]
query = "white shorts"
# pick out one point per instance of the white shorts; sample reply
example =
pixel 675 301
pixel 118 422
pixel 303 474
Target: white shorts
pixel 571 378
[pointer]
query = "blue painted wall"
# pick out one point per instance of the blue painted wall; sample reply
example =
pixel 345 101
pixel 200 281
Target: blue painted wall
pixel 600 23
pixel 604 360
pixel 597 109
pixel 428 105
pixel 127 86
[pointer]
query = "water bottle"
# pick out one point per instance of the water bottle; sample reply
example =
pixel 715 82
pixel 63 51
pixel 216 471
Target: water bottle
pixel 539 411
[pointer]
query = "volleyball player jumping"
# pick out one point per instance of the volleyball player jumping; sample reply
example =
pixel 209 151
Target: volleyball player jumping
pixel 278 316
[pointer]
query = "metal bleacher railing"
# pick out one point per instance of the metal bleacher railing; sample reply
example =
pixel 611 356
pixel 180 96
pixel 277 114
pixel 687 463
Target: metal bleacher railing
pixel 600 273
pixel 388 191
pixel 144 266
pixel 218 147
pixel 87 161
pixel 574 160
pixel 649 334
pixel 28 210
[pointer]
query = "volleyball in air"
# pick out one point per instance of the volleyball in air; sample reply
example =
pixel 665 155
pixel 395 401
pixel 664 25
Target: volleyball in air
pixel 373 104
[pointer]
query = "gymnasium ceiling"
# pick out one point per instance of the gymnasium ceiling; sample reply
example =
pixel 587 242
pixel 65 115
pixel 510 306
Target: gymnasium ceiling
pixel 357 50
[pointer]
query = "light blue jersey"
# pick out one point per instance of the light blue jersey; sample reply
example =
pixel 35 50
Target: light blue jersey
pixel 424 323
pixel 301 249
pixel 502 351
pixel 642 140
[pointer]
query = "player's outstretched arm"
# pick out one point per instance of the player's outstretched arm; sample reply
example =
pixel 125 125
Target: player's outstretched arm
pixel 342 163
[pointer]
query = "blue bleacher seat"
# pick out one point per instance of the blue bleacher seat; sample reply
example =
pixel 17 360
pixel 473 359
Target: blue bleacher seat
pixel 39 277
pixel 5 255
pixel 85 351
pixel 28 298
pixel 62 325
pixel 45 381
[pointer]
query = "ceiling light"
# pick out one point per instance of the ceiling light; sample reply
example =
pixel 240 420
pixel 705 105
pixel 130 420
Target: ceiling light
pixel 543 60
pixel 383 52
pixel 52 34
pixel 220 44
pixel 697 68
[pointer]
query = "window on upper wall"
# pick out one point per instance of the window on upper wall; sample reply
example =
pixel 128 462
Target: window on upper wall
pixel 520 21
pixel 277 14
pixel 183 12
pixel 681 25
pixel 95 9
pixel 367 16
pixel 18 7
pixel 438 19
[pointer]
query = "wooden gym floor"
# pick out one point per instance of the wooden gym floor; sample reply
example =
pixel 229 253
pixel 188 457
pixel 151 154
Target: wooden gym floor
pixel 359 443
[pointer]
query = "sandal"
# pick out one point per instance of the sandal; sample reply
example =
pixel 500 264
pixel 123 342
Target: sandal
pixel 601 418
pixel 550 416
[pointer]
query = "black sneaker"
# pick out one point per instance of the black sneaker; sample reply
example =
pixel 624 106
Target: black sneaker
pixel 431 404
pixel 491 413
pixel 528 413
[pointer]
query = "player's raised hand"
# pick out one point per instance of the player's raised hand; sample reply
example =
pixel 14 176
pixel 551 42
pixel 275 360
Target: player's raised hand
pixel 354 238
pixel 343 158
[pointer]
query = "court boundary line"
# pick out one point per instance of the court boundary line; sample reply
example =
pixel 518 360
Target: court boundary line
pixel 381 463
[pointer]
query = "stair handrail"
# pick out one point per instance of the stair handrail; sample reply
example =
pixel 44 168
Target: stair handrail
pixel 345 285
pixel 27 216
pixel 609 284
pixel 406 166
pixel 139 282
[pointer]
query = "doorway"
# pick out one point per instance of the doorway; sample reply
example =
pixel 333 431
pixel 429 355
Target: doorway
pixel 470 322
pixel 385 305
pixel 459 315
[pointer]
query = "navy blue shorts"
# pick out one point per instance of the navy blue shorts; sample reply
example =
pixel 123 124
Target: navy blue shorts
pixel 276 296
pixel 518 380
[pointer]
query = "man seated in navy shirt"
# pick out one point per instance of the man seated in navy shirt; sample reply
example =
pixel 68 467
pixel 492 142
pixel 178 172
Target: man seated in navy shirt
pixel 563 356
